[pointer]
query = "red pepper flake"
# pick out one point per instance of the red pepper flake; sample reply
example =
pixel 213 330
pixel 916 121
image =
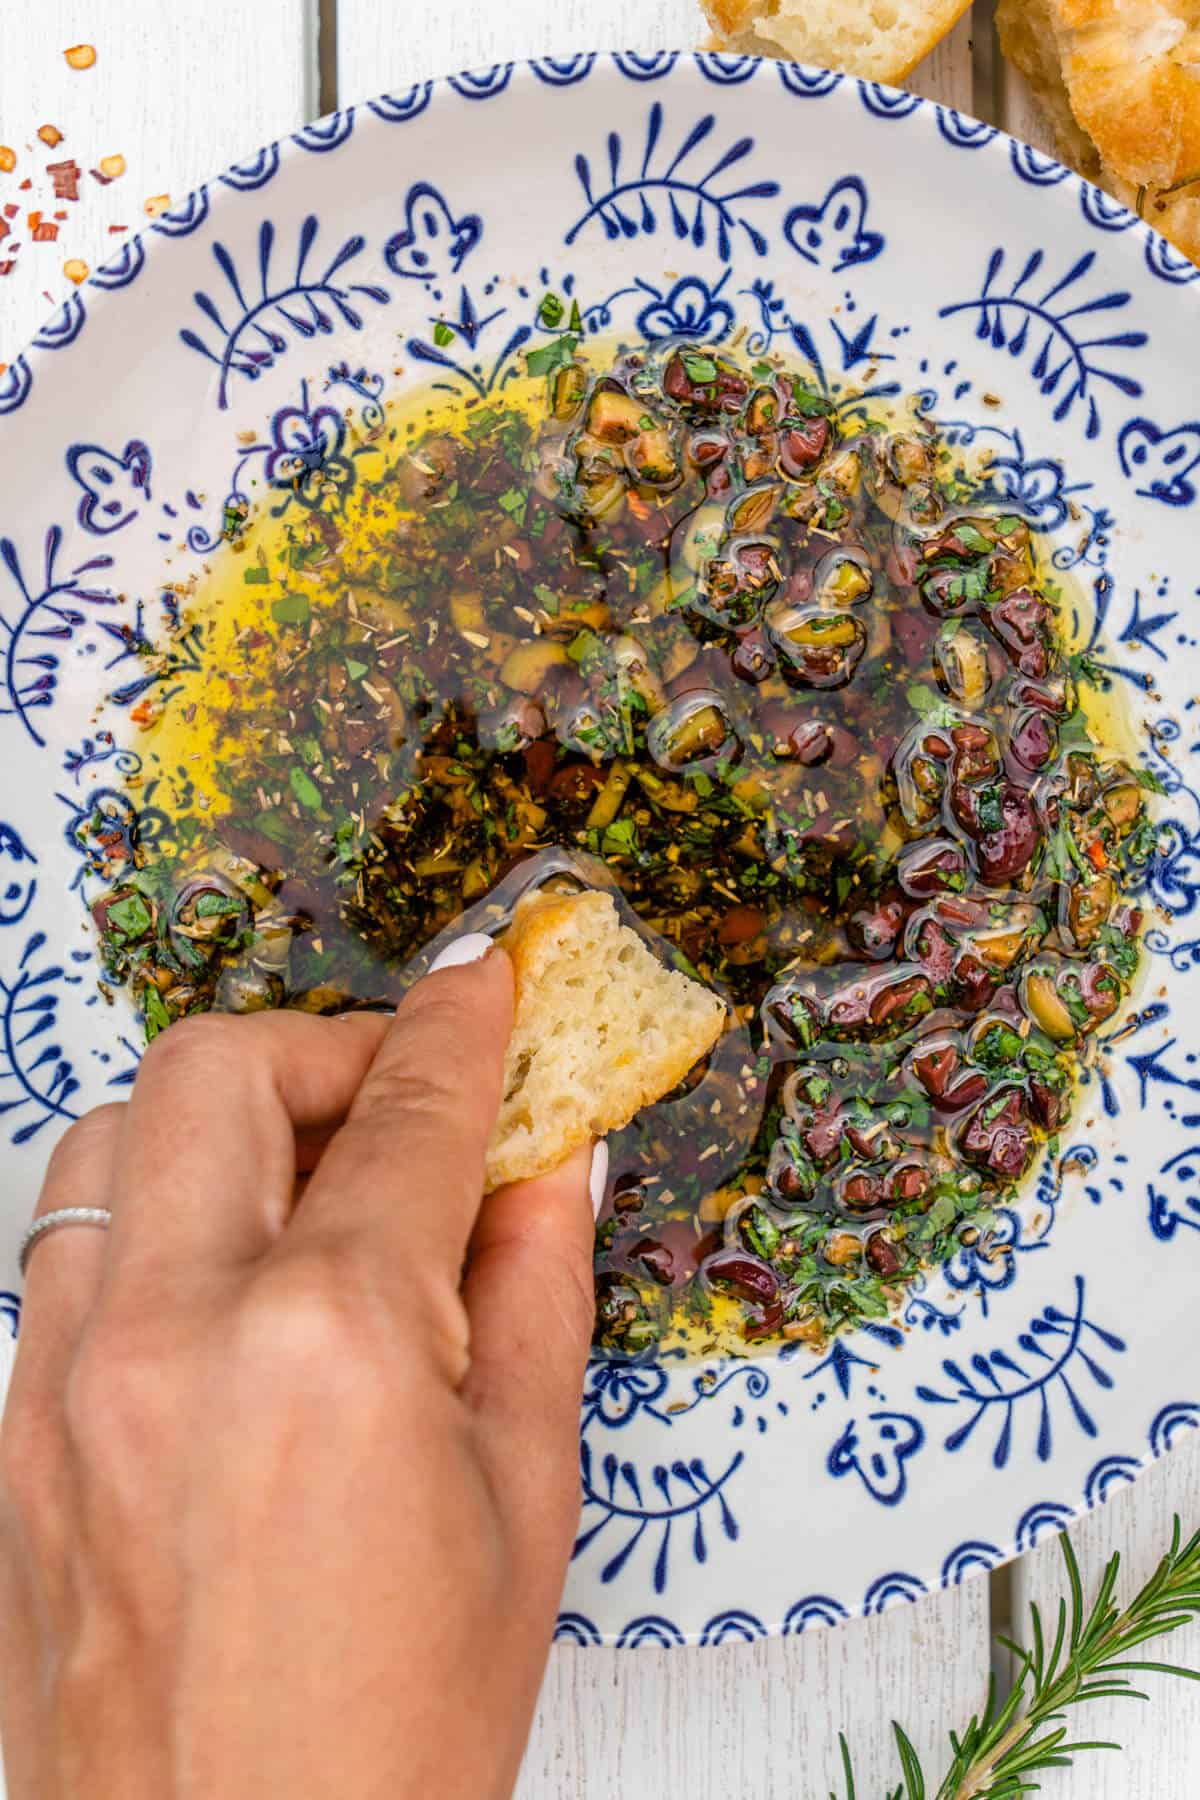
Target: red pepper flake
pixel 50 135
pixel 6 268
pixel 8 160
pixel 80 56
pixel 65 176
pixel 11 211
pixel 60 215
pixel 114 228
pixel 45 234
pixel 104 180
pixel 21 186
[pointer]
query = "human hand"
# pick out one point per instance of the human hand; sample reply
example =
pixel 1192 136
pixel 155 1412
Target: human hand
pixel 286 1500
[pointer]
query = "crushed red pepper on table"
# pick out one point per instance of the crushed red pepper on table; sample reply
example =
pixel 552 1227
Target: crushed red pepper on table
pixel 64 177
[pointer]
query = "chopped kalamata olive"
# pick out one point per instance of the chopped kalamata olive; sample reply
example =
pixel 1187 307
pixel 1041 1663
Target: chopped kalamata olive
pixel 997 1136
pixel 1006 832
pixel 1034 741
pixel 909 1181
pixel 932 948
pixel 1048 1105
pixel 802 446
pixel 874 929
pixel 861 1192
pixel 708 447
pixel 746 1276
pixel 654 1257
pixel 1021 621
pixel 574 785
pixel 934 1066
pixel 934 867
pixel 963 1092
pixel 1101 991
pixel 810 741
pixel 882 1254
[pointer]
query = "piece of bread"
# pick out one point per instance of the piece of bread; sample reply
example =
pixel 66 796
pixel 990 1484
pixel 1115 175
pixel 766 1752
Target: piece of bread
pixel 601 1028
pixel 1120 80
pixel 881 40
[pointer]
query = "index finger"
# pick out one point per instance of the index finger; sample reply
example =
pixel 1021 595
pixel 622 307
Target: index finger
pixel 207 1156
pixel 403 1178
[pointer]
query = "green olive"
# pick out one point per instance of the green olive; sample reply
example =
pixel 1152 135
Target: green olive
pixel 1123 803
pixel 567 391
pixel 762 414
pixel 1088 906
pixel 615 416
pixel 652 457
pixel 963 662
pixel 1046 1009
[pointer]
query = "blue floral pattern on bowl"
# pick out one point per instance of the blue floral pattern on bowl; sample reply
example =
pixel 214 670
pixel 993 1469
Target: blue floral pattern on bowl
pixel 720 199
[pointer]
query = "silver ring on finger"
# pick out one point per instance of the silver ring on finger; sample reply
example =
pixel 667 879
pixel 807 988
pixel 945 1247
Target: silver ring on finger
pixel 57 1221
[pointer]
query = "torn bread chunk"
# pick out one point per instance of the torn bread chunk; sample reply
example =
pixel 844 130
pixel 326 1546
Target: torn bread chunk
pixel 601 1029
pixel 881 42
pixel 1121 85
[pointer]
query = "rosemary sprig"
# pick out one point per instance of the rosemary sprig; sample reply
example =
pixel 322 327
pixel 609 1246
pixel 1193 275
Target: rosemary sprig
pixel 1006 1745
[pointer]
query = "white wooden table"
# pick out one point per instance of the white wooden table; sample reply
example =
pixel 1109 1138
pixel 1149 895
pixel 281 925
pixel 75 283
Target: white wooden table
pixel 182 89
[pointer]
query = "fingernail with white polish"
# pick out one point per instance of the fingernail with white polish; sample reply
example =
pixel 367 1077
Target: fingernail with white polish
pixel 467 949
pixel 598 1177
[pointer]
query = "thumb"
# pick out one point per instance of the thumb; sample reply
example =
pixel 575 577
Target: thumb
pixel 531 1305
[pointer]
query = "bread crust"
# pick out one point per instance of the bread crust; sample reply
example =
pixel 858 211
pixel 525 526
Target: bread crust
pixel 840 34
pixel 1120 80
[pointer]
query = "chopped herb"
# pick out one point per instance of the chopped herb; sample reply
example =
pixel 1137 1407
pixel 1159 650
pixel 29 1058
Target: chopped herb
pixel 620 838
pixel 305 788
pixel 988 809
pixel 555 355
pixel 701 370
pixel 154 1013
pixel 972 538
pixel 551 311
pixel 289 609
pixel 130 916
pixel 1074 733
pixel 514 501
pixel 216 906
pixel 932 706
